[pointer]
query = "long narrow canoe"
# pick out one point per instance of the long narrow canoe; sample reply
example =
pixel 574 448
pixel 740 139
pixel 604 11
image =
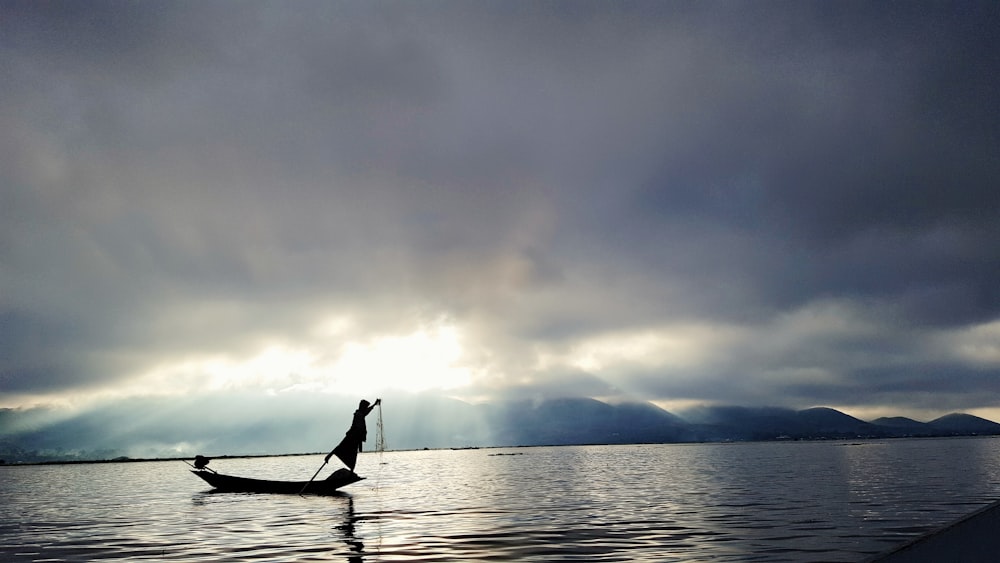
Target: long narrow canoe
pixel 231 484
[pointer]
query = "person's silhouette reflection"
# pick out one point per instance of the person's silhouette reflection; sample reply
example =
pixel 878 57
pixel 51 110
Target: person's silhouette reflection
pixel 347 532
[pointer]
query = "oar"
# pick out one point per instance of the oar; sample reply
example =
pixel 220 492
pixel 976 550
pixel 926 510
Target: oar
pixel 313 477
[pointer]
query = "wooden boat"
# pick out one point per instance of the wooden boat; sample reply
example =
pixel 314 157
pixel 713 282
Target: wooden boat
pixel 231 484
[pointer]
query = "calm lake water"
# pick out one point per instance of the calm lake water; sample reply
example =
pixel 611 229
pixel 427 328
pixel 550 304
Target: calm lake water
pixel 800 501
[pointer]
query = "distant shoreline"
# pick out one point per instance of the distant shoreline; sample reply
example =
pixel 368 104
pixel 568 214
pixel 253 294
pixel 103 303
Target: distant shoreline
pixel 124 459
pixel 846 441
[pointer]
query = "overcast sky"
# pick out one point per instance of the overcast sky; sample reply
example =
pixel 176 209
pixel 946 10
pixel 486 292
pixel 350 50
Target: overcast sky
pixel 756 203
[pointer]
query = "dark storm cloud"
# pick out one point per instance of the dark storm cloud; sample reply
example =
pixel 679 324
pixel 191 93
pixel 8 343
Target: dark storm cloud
pixel 198 178
pixel 845 158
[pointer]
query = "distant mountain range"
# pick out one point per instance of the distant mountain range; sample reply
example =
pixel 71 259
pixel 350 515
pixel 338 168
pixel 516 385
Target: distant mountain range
pixel 262 425
pixel 587 421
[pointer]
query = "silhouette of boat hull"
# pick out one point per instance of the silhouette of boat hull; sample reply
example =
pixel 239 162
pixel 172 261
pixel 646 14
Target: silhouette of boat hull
pixel 232 484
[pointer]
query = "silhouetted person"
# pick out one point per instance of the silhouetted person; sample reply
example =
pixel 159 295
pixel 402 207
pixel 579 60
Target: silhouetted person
pixel 348 448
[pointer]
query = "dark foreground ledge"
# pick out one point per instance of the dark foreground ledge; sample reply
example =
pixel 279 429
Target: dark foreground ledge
pixel 972 539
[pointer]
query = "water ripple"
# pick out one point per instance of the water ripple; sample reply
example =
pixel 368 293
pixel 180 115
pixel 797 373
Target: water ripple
pixel 711 502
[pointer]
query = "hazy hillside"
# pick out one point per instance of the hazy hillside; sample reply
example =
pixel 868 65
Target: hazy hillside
pixel 832 423
pixel 582 421
pixel 899 422
pixel 902 426
pixel 258 424
pixel 769 423
pixel 963 424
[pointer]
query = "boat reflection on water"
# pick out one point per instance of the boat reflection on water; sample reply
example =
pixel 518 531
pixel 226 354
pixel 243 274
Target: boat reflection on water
pixel 345 531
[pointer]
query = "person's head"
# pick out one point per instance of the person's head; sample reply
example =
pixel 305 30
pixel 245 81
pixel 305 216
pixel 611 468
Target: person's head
pixel 363 404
